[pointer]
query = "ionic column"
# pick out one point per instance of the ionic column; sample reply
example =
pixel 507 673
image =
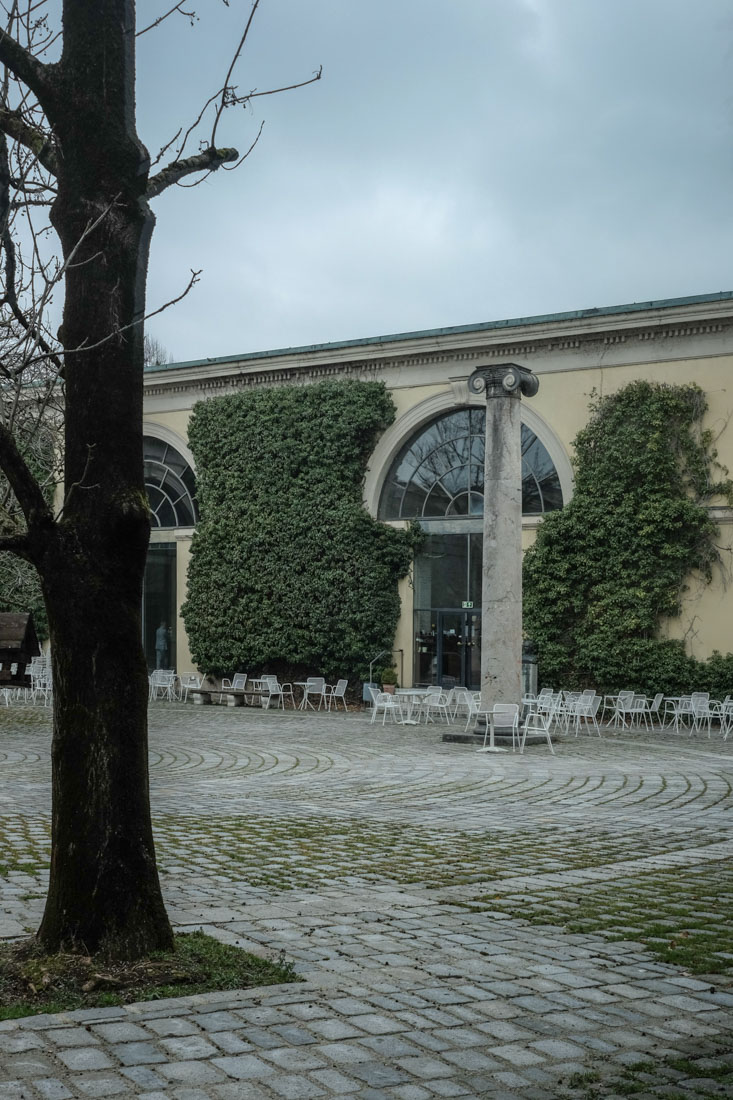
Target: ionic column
pixel 501 605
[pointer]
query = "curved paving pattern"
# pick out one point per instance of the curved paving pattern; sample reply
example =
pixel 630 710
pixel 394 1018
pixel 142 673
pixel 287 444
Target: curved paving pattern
pixel 362 852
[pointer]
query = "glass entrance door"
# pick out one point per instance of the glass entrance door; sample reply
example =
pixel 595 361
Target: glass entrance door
pixel 448 648
pixel 159 606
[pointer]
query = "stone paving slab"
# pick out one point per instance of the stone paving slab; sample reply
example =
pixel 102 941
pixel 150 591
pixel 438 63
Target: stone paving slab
pixel 348 847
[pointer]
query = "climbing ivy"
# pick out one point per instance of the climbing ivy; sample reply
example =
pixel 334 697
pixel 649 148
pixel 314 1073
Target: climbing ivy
pixel 609 567
pixel 288 570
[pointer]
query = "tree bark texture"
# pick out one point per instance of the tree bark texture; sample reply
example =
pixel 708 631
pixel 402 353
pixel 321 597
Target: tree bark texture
pixel 104 893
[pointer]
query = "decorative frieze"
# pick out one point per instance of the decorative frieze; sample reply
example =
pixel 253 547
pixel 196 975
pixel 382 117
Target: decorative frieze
pixel 204 380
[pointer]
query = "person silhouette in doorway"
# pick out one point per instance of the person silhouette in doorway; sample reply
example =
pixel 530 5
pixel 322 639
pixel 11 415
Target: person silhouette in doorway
pixel 161 645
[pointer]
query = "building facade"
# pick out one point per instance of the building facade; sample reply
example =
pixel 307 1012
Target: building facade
pixel 428 465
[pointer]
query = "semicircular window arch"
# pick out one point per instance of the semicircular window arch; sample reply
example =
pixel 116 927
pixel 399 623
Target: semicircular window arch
pixel 170 484
pixel 439 473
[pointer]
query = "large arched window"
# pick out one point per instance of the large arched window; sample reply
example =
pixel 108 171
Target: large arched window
pixel 170 484
pixel 439 473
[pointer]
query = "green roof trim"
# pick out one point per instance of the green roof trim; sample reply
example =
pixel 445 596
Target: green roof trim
pixel 484 326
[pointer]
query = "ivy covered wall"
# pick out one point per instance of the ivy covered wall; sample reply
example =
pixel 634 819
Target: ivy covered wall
pixel 288 570
pixel 606 571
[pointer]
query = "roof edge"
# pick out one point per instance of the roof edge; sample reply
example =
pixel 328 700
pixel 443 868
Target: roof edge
pixel 483 326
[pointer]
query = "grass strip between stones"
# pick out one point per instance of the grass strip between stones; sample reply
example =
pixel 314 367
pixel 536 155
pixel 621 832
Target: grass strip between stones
pixel 32 982
pixel 706 1077
pixel 682 916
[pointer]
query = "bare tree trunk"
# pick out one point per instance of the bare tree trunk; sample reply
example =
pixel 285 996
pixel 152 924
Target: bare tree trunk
pixel 74 120
pixel 104 892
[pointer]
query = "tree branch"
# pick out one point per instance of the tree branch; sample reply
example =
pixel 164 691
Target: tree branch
pixel 33 138
pixel 28 69
pixel 190 15
pixel 208 161
pixel 233 62
pixel 16 544
pixel 27 490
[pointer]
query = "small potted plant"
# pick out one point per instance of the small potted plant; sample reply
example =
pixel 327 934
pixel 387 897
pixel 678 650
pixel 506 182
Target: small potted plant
pixel 389 679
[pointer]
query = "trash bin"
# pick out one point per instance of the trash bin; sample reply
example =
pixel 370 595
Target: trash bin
pixel 366 694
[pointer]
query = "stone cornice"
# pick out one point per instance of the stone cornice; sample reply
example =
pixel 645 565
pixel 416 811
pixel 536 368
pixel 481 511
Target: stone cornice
pixel 548 340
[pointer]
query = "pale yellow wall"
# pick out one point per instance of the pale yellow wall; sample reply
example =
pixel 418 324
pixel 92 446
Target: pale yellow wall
pixel 404 638
pixel 706 622
pixel 564 396
pixel 183 556
pixel 175 422
pixel 563 405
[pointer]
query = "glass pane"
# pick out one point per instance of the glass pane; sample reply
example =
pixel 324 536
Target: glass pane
pixel 438 502
pixel 425 647
pixel 153 449
pixel 531 497
pixel 176 462
pixel 167 472
pixel 446 458
pixel 455 480
pixel 155 500
pixel 154 473
pixel 441 571
pixel 159 606
pixel 164 514
pixel 451 650
pixel 459 505
pixel 475 571
pixel 551 493
pixel 473 652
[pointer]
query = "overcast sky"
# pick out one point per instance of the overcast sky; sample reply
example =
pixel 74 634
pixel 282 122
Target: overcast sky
pixel 460 161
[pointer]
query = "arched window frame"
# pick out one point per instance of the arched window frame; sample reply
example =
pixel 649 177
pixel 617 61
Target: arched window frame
pixel 406 434
pixel 171 487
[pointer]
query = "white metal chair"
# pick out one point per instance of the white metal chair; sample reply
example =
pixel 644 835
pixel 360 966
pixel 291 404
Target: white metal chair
pixel 237 683
pixel 162 684
pixel 474 704
pixel 277 691
pixel 637 712
pixel 332 694
pixel 622 709
pixel 435 702
pixel 719 710
pixel 539 724
pixel 677 712
pixel 565 709
pixel 315 687
pixel 586 710
pixel 189 681
pixel 726 716
pixel 652 709
pixel 702 714
pixel 503 717
pixel 460 699
pixel 388 704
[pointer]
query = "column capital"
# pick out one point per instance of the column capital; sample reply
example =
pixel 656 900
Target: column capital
pixel 504 380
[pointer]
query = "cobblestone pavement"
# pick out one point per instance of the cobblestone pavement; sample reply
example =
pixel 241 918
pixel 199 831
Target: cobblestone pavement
pixel 371 856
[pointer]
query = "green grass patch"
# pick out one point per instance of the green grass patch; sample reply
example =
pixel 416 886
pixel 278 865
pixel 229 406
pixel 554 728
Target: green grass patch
pixel 26 868
pixel 682 916
pixel 702 1078
pixel 32 982
pixel 304 853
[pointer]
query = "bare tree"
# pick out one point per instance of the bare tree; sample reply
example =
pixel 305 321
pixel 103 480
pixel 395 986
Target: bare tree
pixel 154 353
pixel 71 162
